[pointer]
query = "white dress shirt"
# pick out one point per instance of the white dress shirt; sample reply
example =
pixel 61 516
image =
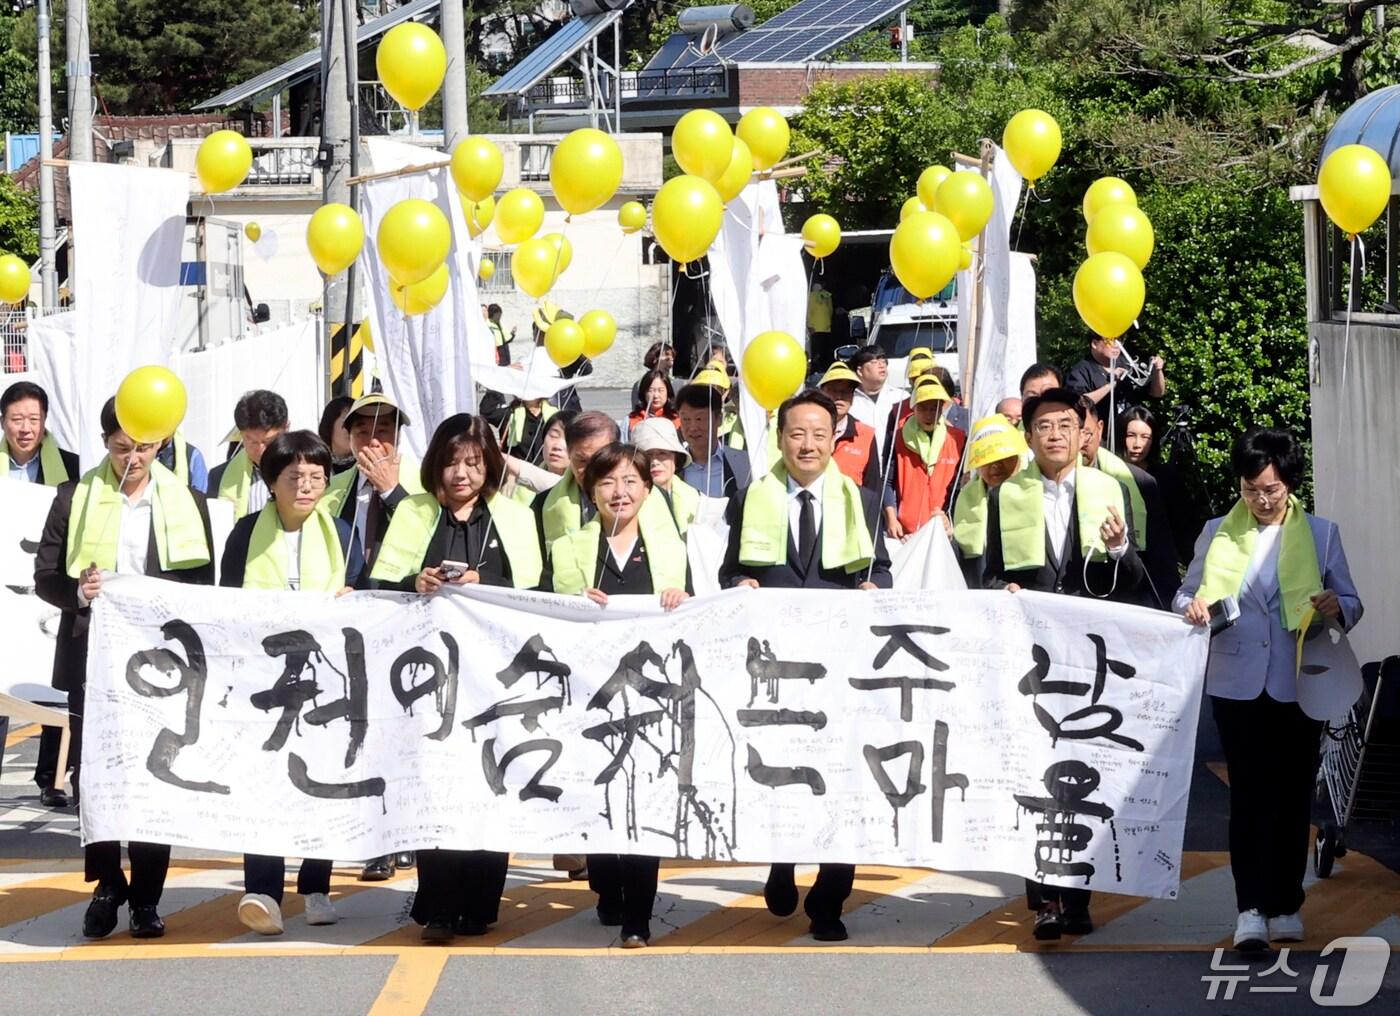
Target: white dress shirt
pixel 27 472
pixel 1059 512
pixel 795 508
pixel 134 539
pixel 874 410
pixel 293 542
pixel 1261 575
pixel 258 494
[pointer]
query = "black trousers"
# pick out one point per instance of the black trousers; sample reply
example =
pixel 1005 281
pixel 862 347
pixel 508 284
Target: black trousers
pixel 828 893
pixel 1271 752
pixel 454 884
pixel 1072 900
pixel 46 767
pixel 102 863
pixel 626 882
pixel 265 874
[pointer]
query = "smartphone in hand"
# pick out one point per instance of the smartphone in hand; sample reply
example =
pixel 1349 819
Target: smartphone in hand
pixel 453 570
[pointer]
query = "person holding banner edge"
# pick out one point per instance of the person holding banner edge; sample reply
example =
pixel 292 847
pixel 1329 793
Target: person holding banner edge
pixel 565 507
pixel 142 521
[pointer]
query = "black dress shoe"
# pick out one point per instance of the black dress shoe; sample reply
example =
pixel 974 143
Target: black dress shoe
pixel 1077 922
pixel 52 797
pixel 470 926
pixel 405 860
pixel 1048 924
pixel 438 932
pixel 780 891
pixel 829 931
pixel 381 869
pixel 100 920
pixel 146 923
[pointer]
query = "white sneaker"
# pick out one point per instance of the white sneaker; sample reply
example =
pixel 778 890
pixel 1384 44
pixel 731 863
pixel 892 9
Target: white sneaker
pixel 261 913
pixel 1286 928
pixel 319 910
pixel 1251 931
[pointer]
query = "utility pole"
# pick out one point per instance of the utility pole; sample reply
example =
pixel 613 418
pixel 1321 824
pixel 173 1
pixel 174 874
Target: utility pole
pixel 454 86
pixel 48 232
pixel 335 152
pixel 79 75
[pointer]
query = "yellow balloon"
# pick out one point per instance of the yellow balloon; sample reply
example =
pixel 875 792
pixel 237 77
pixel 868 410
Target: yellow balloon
pixel 411 62
pixel 564 342
pixel 1354 185
pixel 253 232
pixel 1109 293
pixel 223 161
pixel 1105 191
pixel 632 216
pixel 686 217
pixel 421 297
pixel 1032 141
pixel 150 404
pixel 599 330
pixel 414 238
pixel 486 271
pixel 774 367
pixel 965 199
pixel 929 182
pixel 535 267
pixel 585 170
pixel 766 133
pixel 924 252
pixel 14 279
pixel 821 234
pixel 519 215
pixel 1122 228
pixel 478 214
pixel 736 175
pixel 703 144
pixel 477 167
pixel 563 250
pixel 965 257
pixel 911 207
pixel 334 236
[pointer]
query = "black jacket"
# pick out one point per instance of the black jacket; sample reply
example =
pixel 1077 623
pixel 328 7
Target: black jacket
pixel 70 463
pixel 1159 559
pixel 55 587
pixel 235 559
pixel 492 563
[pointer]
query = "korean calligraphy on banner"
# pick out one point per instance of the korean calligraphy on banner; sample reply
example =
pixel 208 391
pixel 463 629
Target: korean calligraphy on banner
pixel 1039 735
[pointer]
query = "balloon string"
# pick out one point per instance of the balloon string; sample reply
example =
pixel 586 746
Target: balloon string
pixel 1021 218
pixel 1357 248
pixel 891 437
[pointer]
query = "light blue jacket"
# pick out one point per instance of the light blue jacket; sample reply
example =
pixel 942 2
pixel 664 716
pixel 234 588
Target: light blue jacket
pixel 1258 653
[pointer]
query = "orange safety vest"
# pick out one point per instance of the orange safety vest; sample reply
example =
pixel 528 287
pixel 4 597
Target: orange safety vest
pixel 853 453
pixel 922 491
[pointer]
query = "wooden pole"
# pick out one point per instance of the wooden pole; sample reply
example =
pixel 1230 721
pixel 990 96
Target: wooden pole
pixel 405 171
pixel 979 268
pixel 794 160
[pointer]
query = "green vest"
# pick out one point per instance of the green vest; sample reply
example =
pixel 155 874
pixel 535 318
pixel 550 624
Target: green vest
pixel 1227 560
pixel 94 524
pixel 970 518
pixel 235 482
pixel 320 562
pixel 498 331
pixel 342 484
pixel 685 503
pixel 516 432
pixel 1022 503
pixel 763 536
pixel 415 520
pixel 50 461
pixel 731 431
pixel 1107 462
pixel 575 556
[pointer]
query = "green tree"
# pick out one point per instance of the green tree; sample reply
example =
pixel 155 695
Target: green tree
pixel 19 221
pixel 16 81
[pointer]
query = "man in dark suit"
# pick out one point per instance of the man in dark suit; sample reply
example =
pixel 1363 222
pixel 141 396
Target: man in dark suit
pixel 1058 526
pixel 113 529
pixel 805 525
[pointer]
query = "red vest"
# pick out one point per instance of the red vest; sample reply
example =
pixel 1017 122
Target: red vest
pixel 922 492
pixel 853 453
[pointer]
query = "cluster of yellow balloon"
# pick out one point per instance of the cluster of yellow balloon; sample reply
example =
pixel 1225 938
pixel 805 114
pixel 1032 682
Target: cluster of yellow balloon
pixel 1032 141
pixel 599 331
pixel 1354 186
pixel 413 240
pixel 925 252
pixel 411 61
pixel 1122 228
pixel 773 368
pixel 1109 291
pixel 14 279
pixel 223 161
pixel 150 404
pixel 334 236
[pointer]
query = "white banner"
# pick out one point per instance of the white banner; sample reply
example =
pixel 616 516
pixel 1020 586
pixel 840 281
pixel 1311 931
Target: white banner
pixel 29 623
pixel 1041 735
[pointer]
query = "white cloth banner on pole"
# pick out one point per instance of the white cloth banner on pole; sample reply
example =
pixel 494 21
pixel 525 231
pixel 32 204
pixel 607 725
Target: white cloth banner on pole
pixel 925 561
pixel 1046 736
pixel 536 377
pixel 427 358
pixel 54 359
pixel 30 624
pixel 129 230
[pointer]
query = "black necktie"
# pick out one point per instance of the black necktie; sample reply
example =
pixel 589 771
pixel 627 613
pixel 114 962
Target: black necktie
pixel 806 528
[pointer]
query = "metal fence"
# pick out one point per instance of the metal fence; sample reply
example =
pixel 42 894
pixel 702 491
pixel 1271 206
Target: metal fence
pixel 14 333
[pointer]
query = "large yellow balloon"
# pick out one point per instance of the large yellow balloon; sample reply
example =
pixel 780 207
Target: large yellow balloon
pixel 412 62
pixel 1122 228
pixel 1032 141
pixel 519 215
pixel 1105 191
pixel 477 167
pixel 421 297
pixel 736 175
pixel 686 217
pixel 929 182
pixel 965 199
pixel 1354 185
pixel 563 250
pixel 487 270
pixel 924 253
pixel 703 144
pixel 585 170
pixel 223 161
pixel 334 236
pixel 632 216
pixel 913 206
pixel 774 367
pixel 14 279
pixel 564 342
pixel 1109 293
pixel 599 330
pixel 414 238
pixel 766 133
pixel 150 404
pixel 821 235
pixel 535 267
pixel 478 214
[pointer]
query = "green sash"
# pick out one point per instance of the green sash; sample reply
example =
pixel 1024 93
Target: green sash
pixel 1022 504
pixel 94 524
pixel 1107 462
pixel 575 556
pixel 50 461
pixel 516 432
pixel 685 503
pixel 343 484
pixel 763 538
pixel 410 531
pixel 320 564
pixel 970 518
pixel 563 508
pixel 1227 560
pixel 925 444
pixel 235 482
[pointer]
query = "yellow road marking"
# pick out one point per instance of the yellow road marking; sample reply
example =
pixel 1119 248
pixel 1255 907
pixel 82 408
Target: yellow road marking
pixel 411 983
pixel 23 733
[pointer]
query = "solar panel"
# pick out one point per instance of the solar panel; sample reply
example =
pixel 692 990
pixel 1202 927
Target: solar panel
pixel 806 31
pixel 576 33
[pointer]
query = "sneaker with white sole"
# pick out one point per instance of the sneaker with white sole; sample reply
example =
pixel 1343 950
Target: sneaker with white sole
pixel 261 913
pixel 319 910
pixel 1286 928
pixel 1251 931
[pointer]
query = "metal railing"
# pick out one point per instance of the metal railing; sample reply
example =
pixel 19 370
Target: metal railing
pixel 674 83
pixel 282 165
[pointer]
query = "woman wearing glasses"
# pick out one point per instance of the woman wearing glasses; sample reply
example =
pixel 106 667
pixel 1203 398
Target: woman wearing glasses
pixel 1285 569
pixel 291 544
